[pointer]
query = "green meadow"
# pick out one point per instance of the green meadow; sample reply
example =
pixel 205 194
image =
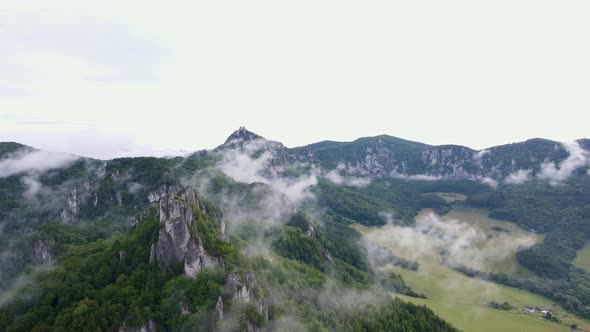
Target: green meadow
pixel 582 259
pixel 463 300
pixel 452 197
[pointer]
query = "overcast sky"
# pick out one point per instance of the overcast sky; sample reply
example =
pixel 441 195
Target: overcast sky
pixel 133 78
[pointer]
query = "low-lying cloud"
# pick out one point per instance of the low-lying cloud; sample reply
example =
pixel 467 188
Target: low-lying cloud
pixel 462 243
pixel 419 177
pixel 256 161
pixel 31 164
pixel 335 176
pixel 519 177
pixel 578 157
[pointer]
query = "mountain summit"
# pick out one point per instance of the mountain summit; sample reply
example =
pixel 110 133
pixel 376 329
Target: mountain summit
pixel 242 135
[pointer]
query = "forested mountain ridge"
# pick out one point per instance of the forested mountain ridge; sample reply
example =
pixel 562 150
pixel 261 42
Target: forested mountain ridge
pixel 266 199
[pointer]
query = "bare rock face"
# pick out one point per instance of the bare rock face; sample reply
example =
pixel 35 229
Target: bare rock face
pixel 263 308
pixel 221 219
pixel 41 252
pixel 219 308
pixel 149 326
pixel 310 231
pixel 178 239
pixel 243 286
pixel 176 216
pixel 197 259
pixel 328 256
pixel 153 253
pixel 119 198
pixel 69 214
pixel 157 195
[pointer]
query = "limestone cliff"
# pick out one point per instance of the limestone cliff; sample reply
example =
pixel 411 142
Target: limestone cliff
pixel 178 238
pixel 243 286
pixel 41 252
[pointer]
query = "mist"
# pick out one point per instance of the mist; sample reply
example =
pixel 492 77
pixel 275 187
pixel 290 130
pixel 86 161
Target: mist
pixel 31 164
pixel 555 174
pixel 462 243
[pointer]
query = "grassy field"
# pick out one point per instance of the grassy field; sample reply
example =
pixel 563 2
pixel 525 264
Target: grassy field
pixel 509 234
pixel 582 259
pixel 452 197
pixel 462 300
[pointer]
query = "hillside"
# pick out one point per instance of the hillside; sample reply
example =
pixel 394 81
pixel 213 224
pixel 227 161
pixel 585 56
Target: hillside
pixel 274 221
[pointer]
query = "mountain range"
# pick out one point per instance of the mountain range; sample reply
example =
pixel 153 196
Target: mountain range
pixel 205 209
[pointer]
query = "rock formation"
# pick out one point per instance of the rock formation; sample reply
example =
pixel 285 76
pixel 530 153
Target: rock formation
pixel 219 308
pixel 178 238
pixel 41 252
pixel 244 286
pixel 69 214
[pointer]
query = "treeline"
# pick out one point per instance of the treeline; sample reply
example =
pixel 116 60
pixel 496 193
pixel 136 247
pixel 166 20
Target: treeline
pixel 403 199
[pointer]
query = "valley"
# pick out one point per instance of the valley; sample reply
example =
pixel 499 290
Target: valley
pixel 253 235
pixel 462 300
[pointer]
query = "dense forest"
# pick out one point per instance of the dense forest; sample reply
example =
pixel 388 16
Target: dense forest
pixel 103 284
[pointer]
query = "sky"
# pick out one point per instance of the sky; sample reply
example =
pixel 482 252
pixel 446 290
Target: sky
pixel 130 78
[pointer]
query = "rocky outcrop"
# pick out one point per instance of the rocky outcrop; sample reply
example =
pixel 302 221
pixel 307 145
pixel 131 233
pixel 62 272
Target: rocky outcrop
pixel 219 308
pixel 69 214
pixel 263 309
pixel 197 259
pixel 140 217
pixel 78 196
pixel 41 252
pixel 221 219
pixel 119 198
pixel 153 253
pixel 176 219
pixel 156 195
pixel 149 326
pixel 243 286
pixel 310 231
pixel 328 257
pixel 178 238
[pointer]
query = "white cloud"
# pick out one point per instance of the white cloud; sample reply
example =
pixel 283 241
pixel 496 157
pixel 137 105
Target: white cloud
pixel 419 177
pixel 33 162
pixel 481 153
pixel 335 177
pixel 519 177
pixel 244 165
pixel 33 186
pixel 487 181
pixel 555 174
pixel 464 243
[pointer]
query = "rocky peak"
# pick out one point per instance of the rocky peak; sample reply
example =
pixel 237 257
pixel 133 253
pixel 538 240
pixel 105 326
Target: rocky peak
pixel 242 135
pixel 164 190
